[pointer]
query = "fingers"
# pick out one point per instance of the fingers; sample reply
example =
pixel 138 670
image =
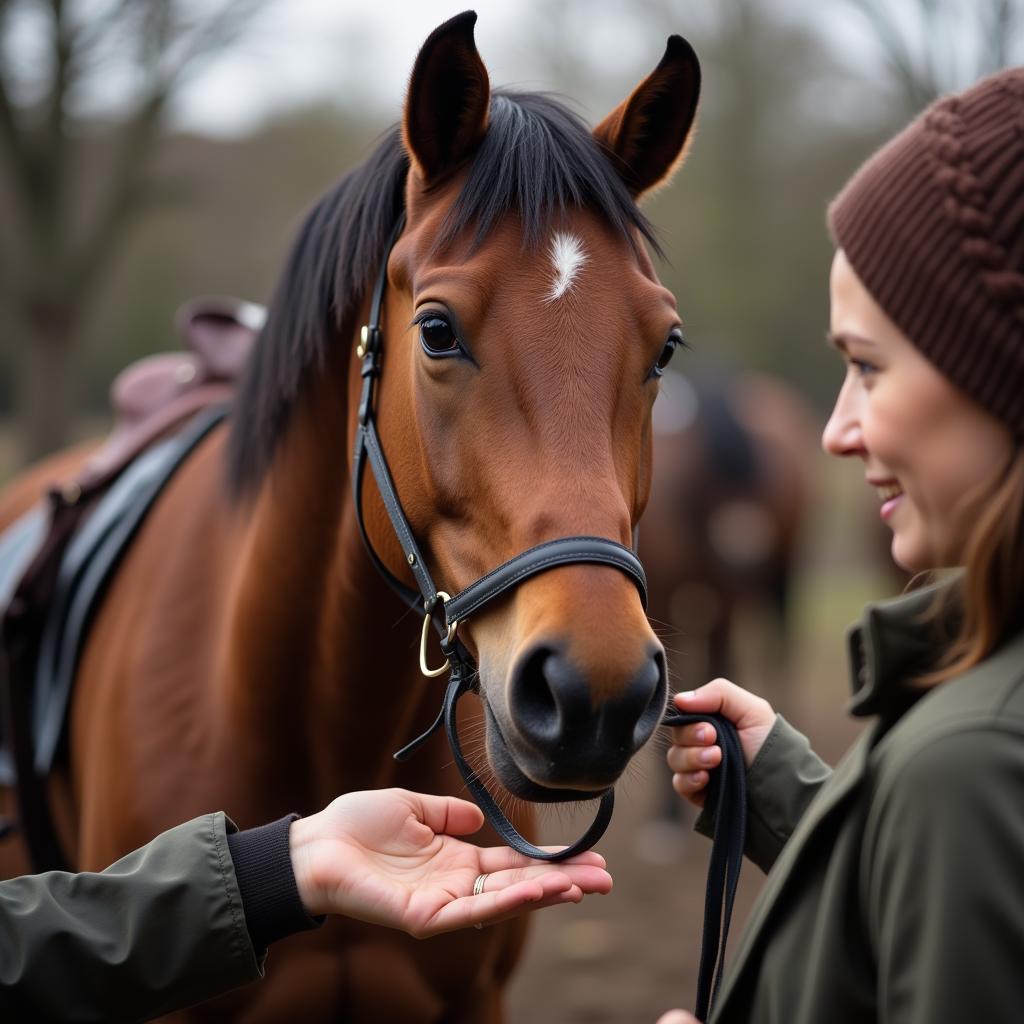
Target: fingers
pixel 694 751
pixel 752 715
pixel 677 1017
pixel 692 786
pixel 550 889
pixel 692 755
pixel 445 815
pixel 588 878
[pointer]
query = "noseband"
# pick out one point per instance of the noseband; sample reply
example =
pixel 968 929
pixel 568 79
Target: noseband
pixel 435 604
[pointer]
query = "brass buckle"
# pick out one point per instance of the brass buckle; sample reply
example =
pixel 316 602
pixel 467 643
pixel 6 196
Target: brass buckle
pixel 432 672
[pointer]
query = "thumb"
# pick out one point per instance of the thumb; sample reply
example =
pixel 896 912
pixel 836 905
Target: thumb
pixel 677 1017
pixel 447 815
pixel 742 708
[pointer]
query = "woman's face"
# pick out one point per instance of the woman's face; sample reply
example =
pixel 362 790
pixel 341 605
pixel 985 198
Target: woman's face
pixel 930 452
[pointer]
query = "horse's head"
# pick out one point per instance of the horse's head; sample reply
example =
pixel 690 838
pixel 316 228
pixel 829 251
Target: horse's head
pixel 525 332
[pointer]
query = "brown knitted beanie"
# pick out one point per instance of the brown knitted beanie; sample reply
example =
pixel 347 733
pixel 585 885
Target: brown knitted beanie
pixel 933 225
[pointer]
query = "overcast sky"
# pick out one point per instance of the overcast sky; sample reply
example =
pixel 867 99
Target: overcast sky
pixel 299 50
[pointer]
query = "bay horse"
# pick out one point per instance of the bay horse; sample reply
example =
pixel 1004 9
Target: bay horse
pixel 249 657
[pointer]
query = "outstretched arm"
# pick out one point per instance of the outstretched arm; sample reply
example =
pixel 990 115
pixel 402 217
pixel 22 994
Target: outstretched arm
pixel 187 917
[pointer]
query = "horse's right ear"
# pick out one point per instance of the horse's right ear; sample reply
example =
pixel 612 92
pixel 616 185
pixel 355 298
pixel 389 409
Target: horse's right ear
pixel 448 102
pixel 646 134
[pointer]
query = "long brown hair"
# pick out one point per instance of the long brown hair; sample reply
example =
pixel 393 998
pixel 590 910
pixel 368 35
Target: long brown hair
pixel 989 598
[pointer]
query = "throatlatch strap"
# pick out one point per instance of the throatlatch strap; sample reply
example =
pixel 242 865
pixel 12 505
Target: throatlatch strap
pixel 727 802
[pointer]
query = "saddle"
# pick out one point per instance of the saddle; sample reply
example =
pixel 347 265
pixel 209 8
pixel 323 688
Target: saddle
pixel 56 561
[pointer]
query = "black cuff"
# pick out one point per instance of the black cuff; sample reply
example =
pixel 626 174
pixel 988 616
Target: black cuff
pixel 270 897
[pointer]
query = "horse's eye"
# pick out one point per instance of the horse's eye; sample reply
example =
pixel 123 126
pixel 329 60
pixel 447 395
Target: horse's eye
pixel 437 335
pixel 675 339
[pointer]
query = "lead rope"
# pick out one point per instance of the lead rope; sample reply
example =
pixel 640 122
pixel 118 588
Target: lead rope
pixel 727 803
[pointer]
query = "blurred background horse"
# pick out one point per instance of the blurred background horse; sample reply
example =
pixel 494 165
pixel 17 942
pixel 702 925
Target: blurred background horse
pixel 721 537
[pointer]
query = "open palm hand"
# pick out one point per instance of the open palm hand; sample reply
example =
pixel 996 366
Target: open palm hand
pixel 392 857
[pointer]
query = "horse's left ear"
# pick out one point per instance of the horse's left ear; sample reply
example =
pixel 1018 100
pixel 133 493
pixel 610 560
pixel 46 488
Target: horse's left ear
pixel 448 102
pixel 647 133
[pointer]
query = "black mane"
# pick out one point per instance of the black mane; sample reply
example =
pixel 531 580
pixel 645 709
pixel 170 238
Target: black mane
pixel 537 158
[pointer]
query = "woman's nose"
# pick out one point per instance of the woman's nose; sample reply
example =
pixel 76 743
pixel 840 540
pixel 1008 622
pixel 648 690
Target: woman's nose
pixel 842 434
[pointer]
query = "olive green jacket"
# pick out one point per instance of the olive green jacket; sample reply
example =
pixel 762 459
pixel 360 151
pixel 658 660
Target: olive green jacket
pixel 896 883
pixel 168 917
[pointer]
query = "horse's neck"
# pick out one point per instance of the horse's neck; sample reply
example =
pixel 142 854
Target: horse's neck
pixel 318 666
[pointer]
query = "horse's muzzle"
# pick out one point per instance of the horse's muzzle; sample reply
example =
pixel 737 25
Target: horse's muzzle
pixel 561 735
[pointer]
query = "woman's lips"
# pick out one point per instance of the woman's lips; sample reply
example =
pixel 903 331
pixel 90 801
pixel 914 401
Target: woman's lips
pixel 889 507
pixel 891 494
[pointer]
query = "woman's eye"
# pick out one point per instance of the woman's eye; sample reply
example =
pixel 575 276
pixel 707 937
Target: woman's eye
pixel 862 367
pixel 675 339
pixel 437 335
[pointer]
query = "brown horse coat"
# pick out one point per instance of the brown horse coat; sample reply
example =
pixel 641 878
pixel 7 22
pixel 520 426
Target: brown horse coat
pixel 248 657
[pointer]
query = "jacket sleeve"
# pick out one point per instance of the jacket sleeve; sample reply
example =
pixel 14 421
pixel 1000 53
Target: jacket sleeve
pixel 161 929
pixel 944 904
pixel 781 782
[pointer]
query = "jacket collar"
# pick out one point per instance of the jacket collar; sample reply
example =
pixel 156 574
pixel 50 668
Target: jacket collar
pixel 896 640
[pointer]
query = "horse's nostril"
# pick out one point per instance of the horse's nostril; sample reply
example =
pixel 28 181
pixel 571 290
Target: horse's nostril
pixel 651 681
pixel 542 694
pixel 555 713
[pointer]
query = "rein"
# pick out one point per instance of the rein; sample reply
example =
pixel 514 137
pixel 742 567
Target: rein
pixel 727 789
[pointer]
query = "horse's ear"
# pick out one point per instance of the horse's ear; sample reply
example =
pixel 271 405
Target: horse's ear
pixel 647 133
pixel 448 102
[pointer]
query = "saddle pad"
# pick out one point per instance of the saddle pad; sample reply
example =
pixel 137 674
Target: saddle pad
pixel 87 567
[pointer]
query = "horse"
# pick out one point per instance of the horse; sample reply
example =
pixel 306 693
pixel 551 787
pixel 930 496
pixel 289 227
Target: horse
pixel 724 525
pixel 249 656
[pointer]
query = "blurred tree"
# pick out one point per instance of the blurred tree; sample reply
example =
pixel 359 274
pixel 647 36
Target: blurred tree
pixel 934 47
pixel 246 199
pixel 73 72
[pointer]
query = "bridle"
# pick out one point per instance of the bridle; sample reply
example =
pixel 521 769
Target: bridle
pixel 434 604
pixel 431 602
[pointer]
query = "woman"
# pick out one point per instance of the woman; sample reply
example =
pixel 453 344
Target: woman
pixel 896 884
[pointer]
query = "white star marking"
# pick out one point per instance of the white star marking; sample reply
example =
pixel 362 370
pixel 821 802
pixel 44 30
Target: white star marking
pixel 568 256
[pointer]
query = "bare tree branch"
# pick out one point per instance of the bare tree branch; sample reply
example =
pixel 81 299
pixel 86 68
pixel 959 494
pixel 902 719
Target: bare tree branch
pixel 156 44
pixel 13 138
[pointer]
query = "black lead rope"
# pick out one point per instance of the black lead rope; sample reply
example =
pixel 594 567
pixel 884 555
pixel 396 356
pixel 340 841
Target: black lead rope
pixel 727 803
pixel 727 789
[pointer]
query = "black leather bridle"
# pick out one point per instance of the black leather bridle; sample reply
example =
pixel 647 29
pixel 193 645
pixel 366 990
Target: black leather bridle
pixel 727 849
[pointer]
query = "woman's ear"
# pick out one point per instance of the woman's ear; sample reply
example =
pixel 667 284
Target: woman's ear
pixel 646 134
pixel 448 102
